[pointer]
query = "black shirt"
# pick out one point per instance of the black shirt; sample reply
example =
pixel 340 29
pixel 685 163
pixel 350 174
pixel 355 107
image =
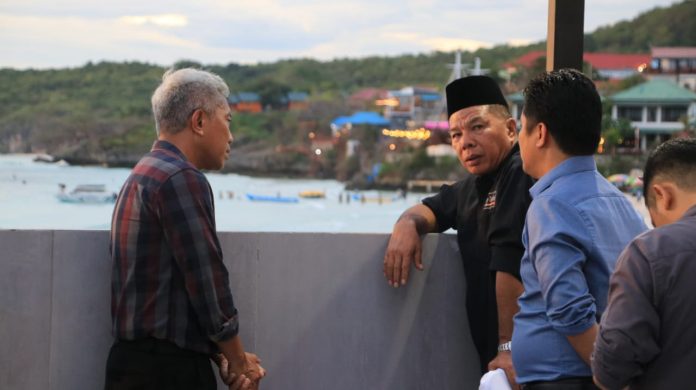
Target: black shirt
pixel 488 212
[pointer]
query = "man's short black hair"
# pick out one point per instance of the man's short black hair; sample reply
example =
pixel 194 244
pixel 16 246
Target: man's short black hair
pixel 567 102
pixel 675 161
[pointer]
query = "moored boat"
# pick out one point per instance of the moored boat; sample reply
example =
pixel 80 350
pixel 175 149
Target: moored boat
pixel 87 193
pixel 270 198
pixel 312 194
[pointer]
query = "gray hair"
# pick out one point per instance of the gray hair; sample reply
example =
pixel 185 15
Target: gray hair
pixel 181 93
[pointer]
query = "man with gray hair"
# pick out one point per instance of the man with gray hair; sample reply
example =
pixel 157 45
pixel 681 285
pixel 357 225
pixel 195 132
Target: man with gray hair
pixel 171 302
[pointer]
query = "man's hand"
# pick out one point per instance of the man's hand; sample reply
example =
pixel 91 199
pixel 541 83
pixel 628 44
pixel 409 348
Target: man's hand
pixel 404 248
pixel 249 368
pixel 235 382
pixel 504 360
pixel 240 363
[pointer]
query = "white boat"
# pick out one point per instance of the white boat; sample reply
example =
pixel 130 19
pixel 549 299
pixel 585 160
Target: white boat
pixel 87 193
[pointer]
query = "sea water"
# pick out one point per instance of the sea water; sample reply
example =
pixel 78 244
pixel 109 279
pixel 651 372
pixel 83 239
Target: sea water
pixel 28 200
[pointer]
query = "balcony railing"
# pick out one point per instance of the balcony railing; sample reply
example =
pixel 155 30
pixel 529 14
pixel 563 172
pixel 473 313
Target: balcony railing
pixel 315 307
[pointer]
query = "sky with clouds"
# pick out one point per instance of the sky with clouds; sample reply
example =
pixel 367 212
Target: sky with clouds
pixel 67 33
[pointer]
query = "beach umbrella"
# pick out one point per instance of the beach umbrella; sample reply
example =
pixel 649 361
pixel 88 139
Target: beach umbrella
pixel 618 179
pixel 634 183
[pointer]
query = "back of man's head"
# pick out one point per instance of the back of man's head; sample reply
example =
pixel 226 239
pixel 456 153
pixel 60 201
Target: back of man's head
pixel 181 93
pixel 673 161
pixel 567 102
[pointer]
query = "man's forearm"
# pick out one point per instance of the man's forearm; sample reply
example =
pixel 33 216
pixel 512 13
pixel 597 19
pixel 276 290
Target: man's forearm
pixel 583 343
pixel 422 218
pixel 507 290
pixel 234 352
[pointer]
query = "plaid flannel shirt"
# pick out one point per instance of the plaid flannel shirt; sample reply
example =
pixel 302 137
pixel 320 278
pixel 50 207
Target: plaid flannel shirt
pixel 168 278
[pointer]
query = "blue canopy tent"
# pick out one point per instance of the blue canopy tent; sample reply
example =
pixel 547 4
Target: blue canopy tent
pixel 341 120
pixel 362 118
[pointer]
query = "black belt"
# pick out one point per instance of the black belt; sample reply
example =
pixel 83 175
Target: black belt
pixel 157 347
pixel 582 383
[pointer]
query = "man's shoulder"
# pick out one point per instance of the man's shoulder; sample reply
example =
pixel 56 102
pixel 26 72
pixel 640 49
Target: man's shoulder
pixel 667 241
pixel 155 170
pixel 158 167
pixel 578 187
pixel 512 173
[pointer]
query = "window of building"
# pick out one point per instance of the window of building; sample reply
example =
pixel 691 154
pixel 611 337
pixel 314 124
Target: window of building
pixel 632 113
pixel 652 114
pixel 666 64
pixel 673 113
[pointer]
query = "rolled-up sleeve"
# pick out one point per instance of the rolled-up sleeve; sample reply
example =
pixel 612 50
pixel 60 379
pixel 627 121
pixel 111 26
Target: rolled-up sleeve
pixel 556 241
pixel 186 208
pixel 629 330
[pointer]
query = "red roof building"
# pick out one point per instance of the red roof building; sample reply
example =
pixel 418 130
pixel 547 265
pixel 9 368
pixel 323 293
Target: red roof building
pixel 607 65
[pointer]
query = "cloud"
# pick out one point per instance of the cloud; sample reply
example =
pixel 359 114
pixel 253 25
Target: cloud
pixel 44 33
pixel 519 42
pixel 163 20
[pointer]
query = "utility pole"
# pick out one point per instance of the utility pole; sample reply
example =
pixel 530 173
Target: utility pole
pixel 564 45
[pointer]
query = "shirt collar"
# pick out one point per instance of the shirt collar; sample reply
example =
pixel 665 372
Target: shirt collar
pixel 690 212
pixel 168 146
pixel 569 166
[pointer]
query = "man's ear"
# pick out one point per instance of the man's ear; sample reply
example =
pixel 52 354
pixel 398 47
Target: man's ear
pixel 664 196
pixel 197 121
pixel 511 126
pixel 541 135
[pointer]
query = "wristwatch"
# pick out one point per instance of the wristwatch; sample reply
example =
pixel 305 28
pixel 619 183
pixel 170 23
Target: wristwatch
pixel 505 347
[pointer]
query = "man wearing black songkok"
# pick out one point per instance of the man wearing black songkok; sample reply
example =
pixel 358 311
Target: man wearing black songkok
pixel 487 207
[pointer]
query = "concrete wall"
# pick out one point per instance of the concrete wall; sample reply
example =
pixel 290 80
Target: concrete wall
pixel 314 307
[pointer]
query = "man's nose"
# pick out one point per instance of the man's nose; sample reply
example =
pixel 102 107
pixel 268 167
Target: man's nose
pixel 466 141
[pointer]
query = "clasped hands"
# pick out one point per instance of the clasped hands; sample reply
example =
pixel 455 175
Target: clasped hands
pixel 245 375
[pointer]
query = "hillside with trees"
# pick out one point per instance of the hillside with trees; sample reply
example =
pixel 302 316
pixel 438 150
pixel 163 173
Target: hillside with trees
pixel 100 112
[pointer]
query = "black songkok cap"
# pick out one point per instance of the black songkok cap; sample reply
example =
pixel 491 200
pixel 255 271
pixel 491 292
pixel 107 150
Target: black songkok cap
pixel 473 91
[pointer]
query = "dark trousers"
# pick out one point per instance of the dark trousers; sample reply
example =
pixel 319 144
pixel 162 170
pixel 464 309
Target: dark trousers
pixel 584 383
pixel 156 364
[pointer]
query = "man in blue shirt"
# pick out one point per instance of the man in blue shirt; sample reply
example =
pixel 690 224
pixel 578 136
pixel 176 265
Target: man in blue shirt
pixel 576 226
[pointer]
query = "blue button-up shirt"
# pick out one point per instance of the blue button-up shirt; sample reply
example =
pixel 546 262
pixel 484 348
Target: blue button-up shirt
pixel 577 225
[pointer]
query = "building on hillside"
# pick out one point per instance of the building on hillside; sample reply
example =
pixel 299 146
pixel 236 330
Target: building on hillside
pixel 297 100
pixel 515 102
pixel 677 64
pixel 409 106
pixel 612 66
pixel 524 61
pixel 656 109
pixel 323 143
pixel 366 98
pixel 245 102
